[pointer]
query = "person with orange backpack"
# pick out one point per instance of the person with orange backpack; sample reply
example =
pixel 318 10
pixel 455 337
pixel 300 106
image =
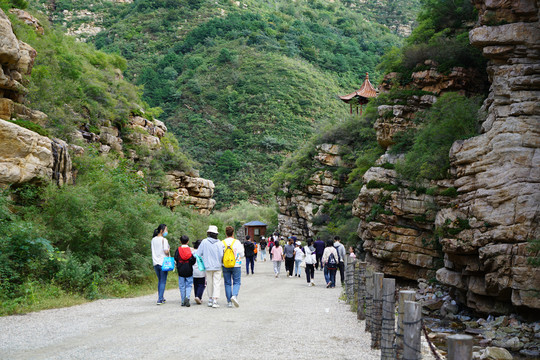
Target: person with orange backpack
pixel 184 264
pixel 232 267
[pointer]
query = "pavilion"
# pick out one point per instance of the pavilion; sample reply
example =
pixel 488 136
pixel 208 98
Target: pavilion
pixel 360 96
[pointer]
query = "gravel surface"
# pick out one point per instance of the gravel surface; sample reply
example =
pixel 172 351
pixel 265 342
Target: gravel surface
pixel 277 319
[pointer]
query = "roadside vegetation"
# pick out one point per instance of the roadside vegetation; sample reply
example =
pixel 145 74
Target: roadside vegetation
pixel 65 245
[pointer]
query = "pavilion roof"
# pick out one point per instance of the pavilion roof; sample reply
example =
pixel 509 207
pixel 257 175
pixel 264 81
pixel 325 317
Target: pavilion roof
pixel 366 91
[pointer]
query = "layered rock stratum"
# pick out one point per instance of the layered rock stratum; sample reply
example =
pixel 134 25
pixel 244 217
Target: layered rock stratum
pixel 497 174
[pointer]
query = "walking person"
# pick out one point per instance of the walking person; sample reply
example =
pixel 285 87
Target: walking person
pixel 255 252
pixel 232 275
pixel 249 248
pixel 160 249
pixel 271 244
pixel 298 258
pixel 277 257
pixel 341 258
pixel 319 249
pixel 199 275
pixel 211 251
pixel 262 246
pixel 310 260
pixel 288 251
pixel 330 264
pixel 184 265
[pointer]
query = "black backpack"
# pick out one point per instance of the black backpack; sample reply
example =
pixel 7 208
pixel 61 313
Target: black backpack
pixel 331 264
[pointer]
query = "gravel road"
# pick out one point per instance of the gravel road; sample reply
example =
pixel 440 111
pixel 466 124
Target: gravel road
pixel 277 319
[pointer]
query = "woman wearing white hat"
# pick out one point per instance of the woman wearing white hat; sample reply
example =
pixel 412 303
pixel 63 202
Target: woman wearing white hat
pixel 211 252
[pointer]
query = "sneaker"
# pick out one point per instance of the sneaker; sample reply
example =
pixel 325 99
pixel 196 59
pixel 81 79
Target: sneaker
pixel 288 273
pixel 159 303
pixel 276 275
pixel 229 305
pixel 328 285
pixel 234 300
pixel 215 305
pixel 188 304
pixel 210 303
pixel 197 300
pixel 183 303
pixel 164 301
pixel 290 276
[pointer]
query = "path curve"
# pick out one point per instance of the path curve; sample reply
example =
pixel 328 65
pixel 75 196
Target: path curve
pixel 277 319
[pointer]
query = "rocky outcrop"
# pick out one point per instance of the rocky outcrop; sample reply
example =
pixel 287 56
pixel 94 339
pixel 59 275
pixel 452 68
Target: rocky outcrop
pixel 497 173
pixel 399 117
pixel 301 210
pixel 29 157
pixel 28 20
pixel 16 59
pixel 26 156
pixel 190 190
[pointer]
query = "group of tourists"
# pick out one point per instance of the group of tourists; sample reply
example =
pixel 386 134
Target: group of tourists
pixel 210 259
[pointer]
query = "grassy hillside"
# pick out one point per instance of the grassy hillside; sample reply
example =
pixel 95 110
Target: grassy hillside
pixel 242 84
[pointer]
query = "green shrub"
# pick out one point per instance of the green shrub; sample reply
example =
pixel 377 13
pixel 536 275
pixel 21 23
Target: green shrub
pixel 450 192
pixel 534 251
pixel 453 117
pixel 373 184
pixel 31 126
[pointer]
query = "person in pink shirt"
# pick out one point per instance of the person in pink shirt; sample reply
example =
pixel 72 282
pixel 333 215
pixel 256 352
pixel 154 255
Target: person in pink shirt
pixel 277 257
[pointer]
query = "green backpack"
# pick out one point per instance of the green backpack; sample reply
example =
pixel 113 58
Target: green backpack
pixel 229 260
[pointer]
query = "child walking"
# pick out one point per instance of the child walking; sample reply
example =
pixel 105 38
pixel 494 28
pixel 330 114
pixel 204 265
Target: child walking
pixel 277 257
pixel 199 276
pixel 184 264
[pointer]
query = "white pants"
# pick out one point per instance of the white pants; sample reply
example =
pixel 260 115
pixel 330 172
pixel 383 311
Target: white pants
pixel 213 279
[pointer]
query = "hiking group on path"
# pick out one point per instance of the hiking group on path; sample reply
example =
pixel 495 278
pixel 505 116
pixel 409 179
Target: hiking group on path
pixel 210 259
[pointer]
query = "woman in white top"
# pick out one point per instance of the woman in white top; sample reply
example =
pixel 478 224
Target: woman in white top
pixel 160 249
pixel 309 250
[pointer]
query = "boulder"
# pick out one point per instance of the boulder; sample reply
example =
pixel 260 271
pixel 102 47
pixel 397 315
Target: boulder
pixel 192 191
pixel 27 156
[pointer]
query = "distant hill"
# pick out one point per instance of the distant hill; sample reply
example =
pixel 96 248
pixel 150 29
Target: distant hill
pixel 242 84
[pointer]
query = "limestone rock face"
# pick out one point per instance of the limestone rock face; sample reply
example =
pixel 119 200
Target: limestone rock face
pixel 16 59
pixel 398 118
pixel 190 190
pixel 397 226
pixel 300 210
pixel 27 156
pixel 28 20
pixel 497 173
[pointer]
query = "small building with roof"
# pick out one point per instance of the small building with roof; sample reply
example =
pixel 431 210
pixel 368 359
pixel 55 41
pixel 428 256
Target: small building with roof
pixel 361 96
pixel 255 229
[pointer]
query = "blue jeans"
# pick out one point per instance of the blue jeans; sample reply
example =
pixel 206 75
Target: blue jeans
pixel 330 276
pixel 250 260
pixel 297 270
pixel 232 276
pixel 185 284
pixel 263 254
pixel 162 281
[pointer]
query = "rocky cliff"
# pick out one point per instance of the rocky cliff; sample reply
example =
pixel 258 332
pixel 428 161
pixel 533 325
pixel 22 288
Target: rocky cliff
pixel 497 173
pixel 298 207
pixel 25 155
pixel 480 230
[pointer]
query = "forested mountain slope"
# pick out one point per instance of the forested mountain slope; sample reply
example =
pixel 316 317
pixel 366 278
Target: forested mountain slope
pixel 242 83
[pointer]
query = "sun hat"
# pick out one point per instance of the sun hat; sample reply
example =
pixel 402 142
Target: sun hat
pixel 298 243
pixel 212 229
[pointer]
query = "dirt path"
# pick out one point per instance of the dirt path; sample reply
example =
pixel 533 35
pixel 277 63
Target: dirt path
pixel 277 319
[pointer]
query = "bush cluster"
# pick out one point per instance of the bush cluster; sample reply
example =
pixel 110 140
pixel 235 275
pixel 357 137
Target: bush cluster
pixel 453 117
